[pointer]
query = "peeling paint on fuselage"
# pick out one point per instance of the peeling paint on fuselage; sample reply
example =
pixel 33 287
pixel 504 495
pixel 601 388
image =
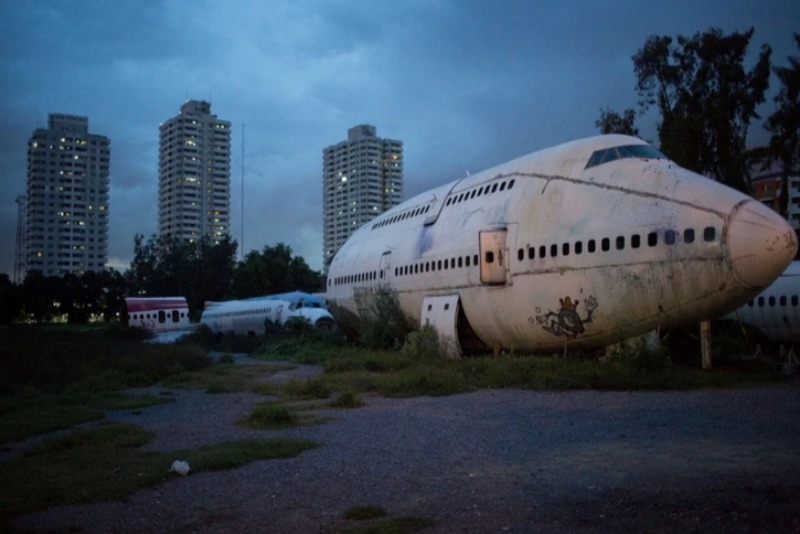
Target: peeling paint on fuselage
pixel 584 220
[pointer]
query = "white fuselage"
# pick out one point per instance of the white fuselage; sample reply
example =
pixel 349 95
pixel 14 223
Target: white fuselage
pixel 776 311
pixel 157 314
pixel 258 315
pixel 548 249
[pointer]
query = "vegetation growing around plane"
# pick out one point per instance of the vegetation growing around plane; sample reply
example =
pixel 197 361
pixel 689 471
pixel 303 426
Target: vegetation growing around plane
pixel 55 378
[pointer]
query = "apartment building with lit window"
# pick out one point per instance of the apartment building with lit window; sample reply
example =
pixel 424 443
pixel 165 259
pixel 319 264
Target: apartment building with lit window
pixel 194 162
pixel 362 178
pixel 767 189
pixel 66 208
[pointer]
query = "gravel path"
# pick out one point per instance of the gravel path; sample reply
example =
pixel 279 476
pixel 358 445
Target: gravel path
pixel 488 461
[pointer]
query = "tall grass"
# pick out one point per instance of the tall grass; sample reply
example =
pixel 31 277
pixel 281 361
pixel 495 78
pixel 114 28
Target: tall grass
pixel 106 463
pixel 53 378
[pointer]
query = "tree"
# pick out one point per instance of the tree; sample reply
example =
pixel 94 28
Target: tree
pixel 214 271
pixel 10 300
pixel 784 125
pixel 166 266
pixel 274 270
pixel 611 122
pixel 41 295
pixel 706 99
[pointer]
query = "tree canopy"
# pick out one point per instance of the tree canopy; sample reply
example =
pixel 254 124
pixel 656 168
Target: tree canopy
pixel 165 266
pixel 784 125
pixel 611 122
pixel 706 98
pixel 273 270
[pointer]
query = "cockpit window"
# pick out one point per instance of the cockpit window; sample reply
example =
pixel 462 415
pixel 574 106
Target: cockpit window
pixel 622 152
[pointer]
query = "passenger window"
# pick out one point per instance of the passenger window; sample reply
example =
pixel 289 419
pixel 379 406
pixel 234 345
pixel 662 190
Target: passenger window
pixel 460 263
pixel 709 233
pixel 502 186
pixel 605 244
pixel 591 246
pixel 794 300
pixel 476 260
pixel 652 239
pixel 620 242
pixel 565 249
pixel 474 192
pixel 521 254
pixel 669 237
pixel 688 235
pixel 494 188
pixel 782 300
pixel 772 301
pixel 578 247
pixel 466 262
pixel 635 241
pixel 439 265
pixel 511 184
pixel 542 251
pixel 553 251
pixel 531 253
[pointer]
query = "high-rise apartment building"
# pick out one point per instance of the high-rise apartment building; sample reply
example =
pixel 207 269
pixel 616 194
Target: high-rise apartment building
pixel 767 188
pixel 362 178
pixel 66 210
pixel 194 174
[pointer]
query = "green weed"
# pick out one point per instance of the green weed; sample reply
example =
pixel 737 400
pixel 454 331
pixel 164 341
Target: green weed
pixel 269 415
pixel 347 399
pixel 105 463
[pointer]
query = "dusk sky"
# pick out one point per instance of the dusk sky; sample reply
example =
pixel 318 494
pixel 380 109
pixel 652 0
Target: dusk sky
pixel 465 84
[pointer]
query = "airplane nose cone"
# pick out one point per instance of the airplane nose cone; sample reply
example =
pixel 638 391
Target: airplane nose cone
pixel 761 244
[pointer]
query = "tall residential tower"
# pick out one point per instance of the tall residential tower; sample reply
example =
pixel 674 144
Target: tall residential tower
pixel 194 171
pixel 67 198
pixel 362 178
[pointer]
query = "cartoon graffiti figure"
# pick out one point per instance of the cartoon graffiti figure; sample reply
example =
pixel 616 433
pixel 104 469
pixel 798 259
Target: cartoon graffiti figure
pixel 566 321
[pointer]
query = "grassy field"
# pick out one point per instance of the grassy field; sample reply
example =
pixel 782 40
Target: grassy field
pixel 54 378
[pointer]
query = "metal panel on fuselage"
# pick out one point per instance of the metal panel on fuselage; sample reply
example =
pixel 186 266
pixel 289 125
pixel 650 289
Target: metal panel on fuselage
pixel 595 254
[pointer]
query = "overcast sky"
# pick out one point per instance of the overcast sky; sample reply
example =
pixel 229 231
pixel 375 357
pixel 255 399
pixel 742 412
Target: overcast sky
pixel 465 84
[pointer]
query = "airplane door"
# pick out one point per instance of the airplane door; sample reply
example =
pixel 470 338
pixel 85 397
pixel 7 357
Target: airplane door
pixel 441 312
pixel 385 267
pixel 494 256
pixel 278 314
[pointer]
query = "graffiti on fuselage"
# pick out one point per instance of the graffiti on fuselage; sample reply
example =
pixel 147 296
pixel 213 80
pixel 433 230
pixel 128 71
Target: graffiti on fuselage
pixel 567 320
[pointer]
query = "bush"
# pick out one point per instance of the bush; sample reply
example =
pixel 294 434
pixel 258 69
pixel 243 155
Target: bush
pixel 269 415
pixel 297 325
pixel 422 344
pixel 383 323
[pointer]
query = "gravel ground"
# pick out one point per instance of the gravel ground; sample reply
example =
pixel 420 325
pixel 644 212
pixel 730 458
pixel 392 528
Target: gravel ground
pixel 488 461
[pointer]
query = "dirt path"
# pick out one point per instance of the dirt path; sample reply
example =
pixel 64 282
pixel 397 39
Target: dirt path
pixel 488 461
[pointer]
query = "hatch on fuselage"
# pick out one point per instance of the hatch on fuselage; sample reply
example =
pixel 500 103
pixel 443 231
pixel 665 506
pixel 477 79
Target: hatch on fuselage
pixel 494 257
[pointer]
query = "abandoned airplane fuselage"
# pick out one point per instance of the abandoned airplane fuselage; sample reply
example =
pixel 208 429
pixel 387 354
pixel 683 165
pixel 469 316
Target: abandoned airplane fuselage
pixel 585 244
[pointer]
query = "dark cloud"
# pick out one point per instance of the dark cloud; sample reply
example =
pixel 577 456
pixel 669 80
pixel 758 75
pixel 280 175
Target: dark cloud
pixel 464 84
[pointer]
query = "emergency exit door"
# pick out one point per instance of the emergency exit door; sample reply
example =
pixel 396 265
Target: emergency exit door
pixel 494 256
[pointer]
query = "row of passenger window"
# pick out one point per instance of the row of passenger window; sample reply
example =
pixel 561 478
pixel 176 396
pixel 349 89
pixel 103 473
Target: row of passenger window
pixel 436 265
pixel 367 276
pixel 238 313
pixel 669 237
pixel 402 216
pixel 482 190
pixel 783 300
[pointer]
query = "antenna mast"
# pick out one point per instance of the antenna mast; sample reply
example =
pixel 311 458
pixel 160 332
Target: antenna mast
pixel 241 253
